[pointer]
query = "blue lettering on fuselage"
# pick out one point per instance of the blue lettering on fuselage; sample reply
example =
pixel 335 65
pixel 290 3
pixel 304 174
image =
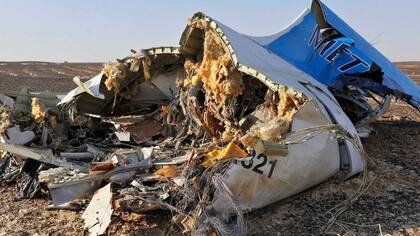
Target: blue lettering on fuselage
pixel 332 49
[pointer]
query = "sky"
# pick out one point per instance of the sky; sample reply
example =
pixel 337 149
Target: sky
pixel 103 30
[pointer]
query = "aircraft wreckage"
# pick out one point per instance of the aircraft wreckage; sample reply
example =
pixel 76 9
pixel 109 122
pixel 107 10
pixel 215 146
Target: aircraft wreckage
pixel 223 124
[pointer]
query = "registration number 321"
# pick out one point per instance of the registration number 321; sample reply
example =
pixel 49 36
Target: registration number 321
pixel 259 164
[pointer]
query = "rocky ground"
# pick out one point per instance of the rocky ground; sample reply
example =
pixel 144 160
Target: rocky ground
pixel 391 205
pixel 411 68
pixel 40 76
pixel 57 77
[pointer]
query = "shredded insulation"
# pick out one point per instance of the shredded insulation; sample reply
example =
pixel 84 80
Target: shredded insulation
pixel 215 71
pixel 230 151
pixel 4 118
pixel 115 73
pixel 146 68
pixel 199 24
pixel 39 111
pixel 274 118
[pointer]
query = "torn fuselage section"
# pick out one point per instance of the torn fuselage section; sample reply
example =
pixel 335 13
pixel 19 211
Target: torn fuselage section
pixel 272 171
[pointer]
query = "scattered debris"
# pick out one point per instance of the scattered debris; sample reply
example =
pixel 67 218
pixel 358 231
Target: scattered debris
pixel 6 101
pixel 207 131
pixel 15 136
pixel 168 172
pixel 97 215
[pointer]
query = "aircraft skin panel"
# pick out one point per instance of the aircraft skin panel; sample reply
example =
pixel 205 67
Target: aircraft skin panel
pixel 298 43
pixel 393 77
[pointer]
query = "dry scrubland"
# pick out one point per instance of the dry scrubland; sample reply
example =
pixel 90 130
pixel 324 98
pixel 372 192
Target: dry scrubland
pixel 393 200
